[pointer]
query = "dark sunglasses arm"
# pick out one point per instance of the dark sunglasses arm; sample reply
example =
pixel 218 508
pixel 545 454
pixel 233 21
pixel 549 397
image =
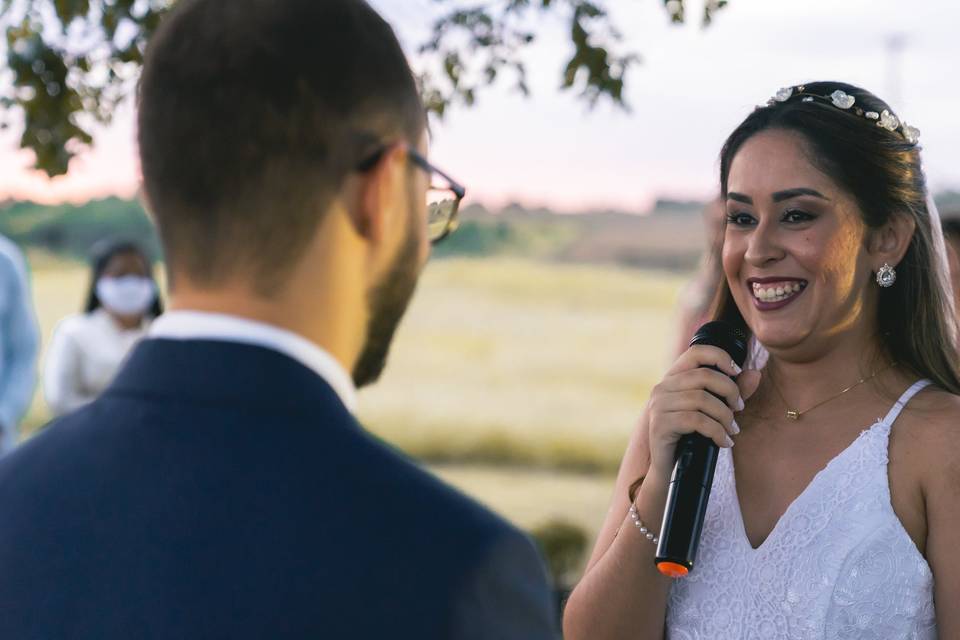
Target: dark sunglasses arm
pixel 422 162
pixel 371 161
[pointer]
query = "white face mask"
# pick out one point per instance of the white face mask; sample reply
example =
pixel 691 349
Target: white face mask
pixel 127 295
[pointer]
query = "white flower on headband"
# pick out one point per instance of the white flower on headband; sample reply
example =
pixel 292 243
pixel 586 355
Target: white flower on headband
pixel 912 134
pixel 888 121
pixel 842 99
pixel 783 94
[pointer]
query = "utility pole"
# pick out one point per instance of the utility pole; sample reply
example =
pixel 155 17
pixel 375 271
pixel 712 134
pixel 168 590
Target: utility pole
pixel 895 45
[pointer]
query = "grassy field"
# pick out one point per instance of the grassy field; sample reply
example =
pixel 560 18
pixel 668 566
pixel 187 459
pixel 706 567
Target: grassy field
pixel 525 363
pixel 518 381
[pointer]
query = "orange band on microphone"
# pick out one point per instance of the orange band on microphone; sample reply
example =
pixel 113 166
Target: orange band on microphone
pixel 672 569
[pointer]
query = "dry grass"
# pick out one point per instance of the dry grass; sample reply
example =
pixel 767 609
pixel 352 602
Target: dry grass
pixel 523 362
pixel 531 498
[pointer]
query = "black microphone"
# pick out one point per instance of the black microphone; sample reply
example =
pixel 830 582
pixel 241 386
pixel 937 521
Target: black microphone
pixel 694 463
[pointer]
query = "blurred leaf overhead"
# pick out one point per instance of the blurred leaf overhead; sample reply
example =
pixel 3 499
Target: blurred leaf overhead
pixel 73 62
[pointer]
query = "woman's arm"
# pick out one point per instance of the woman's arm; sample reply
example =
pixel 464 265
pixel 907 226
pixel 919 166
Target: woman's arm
pixel 622 594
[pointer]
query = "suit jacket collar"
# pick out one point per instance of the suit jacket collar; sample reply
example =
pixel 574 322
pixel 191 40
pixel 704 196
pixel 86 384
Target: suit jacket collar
pixel 229 374
pixel 202 325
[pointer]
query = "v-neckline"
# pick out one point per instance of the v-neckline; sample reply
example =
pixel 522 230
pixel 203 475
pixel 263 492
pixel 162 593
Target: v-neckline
pixel 783 516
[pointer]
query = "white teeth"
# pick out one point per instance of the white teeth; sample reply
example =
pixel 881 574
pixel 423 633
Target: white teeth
pixel 776 293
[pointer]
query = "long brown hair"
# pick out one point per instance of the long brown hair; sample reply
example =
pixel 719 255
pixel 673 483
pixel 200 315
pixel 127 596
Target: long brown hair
pixel 882 171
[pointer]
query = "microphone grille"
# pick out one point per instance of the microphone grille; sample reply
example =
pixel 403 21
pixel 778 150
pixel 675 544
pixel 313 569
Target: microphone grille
pixel 721 334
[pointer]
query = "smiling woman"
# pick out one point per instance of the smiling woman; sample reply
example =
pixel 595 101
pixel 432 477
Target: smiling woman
pixel 824 520
pixel 818 226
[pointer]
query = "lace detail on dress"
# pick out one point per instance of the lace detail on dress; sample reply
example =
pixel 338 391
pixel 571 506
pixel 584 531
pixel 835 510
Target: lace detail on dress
pixel 838 564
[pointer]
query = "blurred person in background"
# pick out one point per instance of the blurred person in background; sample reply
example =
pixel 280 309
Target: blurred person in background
pixel 221 487
pixel 836 514
pixel 19 343
pixel 693 308
pixel 87 349
pixel 951 233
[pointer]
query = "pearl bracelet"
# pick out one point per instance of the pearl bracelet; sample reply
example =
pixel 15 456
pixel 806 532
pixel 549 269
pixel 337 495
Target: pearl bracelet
pixel 639 525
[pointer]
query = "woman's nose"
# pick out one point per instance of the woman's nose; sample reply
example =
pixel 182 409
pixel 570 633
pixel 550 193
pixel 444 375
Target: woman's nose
pixel 764 244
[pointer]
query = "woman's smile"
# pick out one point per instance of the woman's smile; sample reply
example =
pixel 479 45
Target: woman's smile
pixel 775 292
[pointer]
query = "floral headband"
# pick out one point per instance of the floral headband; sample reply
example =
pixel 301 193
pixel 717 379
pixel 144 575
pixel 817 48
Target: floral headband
pixel 842 100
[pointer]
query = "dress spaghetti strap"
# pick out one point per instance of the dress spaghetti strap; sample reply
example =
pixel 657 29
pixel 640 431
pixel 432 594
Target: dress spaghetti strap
pixel 904 399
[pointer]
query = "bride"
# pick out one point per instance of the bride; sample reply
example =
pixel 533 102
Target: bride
pixel 835 509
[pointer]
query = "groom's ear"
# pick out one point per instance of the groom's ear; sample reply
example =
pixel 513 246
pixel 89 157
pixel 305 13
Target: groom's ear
pixel 889 243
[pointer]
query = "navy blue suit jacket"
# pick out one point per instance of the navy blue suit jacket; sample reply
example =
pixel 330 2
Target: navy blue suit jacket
pixel 221 490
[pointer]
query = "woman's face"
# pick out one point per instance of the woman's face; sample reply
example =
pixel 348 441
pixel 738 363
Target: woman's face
pixel 127 263
pixel 794 248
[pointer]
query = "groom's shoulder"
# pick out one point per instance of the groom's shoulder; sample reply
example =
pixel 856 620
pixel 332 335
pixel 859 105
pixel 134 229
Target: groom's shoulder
pixel 56 458
pixel 492 574
pixel 431 518
pixel 418 491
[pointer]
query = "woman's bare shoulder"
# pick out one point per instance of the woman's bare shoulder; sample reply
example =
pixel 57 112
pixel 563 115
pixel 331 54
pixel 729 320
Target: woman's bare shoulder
pixel 934 406
pixel 931 425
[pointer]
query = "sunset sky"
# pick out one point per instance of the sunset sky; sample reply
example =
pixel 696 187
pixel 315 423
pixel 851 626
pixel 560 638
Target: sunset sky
pixel 692 88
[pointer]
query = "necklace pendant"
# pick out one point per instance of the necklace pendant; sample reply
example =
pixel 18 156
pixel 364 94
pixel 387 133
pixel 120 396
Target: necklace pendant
pixel 793 415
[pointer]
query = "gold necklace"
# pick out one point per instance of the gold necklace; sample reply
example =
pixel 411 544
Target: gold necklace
pixel 794 414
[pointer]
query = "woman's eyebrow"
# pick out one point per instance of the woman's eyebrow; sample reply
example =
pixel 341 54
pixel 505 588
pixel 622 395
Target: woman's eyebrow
pixel 786 194
pixel 779 196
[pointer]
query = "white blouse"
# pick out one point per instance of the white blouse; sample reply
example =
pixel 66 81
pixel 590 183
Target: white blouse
pixel 85 354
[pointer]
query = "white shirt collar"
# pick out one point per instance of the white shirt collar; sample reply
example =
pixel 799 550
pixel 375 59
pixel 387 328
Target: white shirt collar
pixel 200 325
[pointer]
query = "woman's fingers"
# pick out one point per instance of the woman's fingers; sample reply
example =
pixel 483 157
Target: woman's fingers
pixel 715 382
pixel 702 401
pixel 698 395
pixel 702 355
pixel 683 422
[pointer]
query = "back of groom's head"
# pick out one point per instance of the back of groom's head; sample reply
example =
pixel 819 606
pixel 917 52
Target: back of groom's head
pixel 251 115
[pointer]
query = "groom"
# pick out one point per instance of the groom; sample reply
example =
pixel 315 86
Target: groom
pixel 222 488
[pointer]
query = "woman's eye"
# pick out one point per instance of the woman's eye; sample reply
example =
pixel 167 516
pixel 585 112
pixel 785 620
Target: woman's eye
pixel 739 219
pixel 795 216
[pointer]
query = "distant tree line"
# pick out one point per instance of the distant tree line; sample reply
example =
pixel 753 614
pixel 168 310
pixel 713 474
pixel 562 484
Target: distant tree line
pixel 671 237
pixel 73 231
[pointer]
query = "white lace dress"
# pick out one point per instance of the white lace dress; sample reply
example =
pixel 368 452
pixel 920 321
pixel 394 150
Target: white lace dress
pixel 837 565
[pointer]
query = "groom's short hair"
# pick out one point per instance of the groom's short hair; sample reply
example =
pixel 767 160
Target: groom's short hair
pixel 249 115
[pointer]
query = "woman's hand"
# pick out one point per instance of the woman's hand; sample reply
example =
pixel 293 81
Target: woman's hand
pixel 682 403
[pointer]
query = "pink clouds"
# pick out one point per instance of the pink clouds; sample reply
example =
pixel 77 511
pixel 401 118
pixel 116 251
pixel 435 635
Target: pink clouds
pixel 110 167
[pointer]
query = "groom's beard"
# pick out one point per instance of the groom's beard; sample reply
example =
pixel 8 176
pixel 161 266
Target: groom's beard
pixel 388 302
